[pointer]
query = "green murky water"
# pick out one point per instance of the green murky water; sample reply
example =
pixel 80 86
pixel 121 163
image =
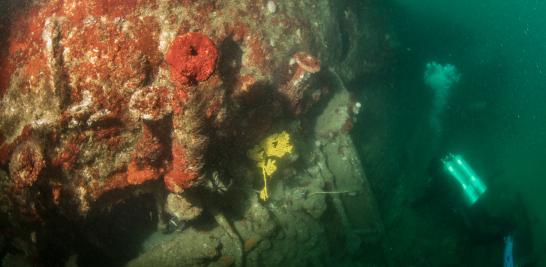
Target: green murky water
pixel 495 116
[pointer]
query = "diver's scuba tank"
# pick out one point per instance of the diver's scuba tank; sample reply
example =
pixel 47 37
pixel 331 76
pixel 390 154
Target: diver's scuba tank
pixel 472 186
pixel 492 213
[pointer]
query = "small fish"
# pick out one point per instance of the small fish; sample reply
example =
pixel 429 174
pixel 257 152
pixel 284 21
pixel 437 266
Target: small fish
pixel 174 225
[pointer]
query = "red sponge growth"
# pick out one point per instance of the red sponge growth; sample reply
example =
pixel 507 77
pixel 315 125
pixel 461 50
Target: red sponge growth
pixel 192 58
pixel 182 175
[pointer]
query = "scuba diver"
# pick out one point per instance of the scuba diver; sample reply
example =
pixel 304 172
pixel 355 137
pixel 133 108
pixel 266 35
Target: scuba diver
pixel 491 214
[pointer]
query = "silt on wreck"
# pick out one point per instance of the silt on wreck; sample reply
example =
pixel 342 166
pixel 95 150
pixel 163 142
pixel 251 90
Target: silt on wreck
pixel 125 127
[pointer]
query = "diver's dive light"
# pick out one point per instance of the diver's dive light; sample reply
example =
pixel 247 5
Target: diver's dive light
pixel 471 183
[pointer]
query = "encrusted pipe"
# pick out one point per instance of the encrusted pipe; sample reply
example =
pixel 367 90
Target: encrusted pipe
pixel 26 164
pixel 305 68
pixel 51 36
pixel 189 143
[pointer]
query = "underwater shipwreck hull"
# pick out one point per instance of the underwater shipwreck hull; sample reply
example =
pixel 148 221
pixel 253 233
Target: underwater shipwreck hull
pixel 106 105
pixel 356 204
